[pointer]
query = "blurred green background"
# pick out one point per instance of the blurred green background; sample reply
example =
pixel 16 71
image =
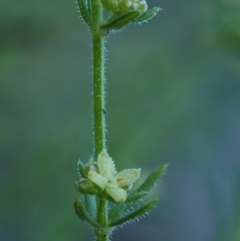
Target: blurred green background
pixel 173 97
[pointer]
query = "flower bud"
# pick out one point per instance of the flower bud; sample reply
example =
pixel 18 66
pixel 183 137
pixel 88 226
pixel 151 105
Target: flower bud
pixel 85 186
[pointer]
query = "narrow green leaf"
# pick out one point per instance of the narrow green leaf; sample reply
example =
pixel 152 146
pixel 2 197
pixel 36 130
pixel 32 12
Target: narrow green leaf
pixel 149 14
pixel 81 169
pixel 89 7
pixel 111 18
pixel 82 212
pixel 132 197
pixel 135 214
pixel 118 211
pixel 121 20
pixel 78 210
pixel 91 206
pixel 149 183
pixel 84 12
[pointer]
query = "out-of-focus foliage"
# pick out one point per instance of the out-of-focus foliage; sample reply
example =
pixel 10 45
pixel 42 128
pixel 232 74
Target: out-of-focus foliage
pixel 173 97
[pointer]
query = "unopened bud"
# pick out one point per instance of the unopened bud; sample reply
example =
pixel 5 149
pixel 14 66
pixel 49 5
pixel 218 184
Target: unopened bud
pixel 85 186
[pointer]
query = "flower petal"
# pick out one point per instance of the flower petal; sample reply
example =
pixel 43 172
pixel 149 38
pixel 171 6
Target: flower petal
pixel 106 165
pixel 97 179
pixel 118 194
pixel 126 177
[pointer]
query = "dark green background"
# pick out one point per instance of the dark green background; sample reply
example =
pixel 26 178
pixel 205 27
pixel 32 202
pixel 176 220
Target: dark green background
pixel 173 97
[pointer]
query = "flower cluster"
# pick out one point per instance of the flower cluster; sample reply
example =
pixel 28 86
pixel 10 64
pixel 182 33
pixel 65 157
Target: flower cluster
pixel 124 6
pixel 102 179
pixel 128 5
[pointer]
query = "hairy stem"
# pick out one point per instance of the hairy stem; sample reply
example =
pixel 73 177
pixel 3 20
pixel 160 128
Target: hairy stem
pixel 99 108
pixel 98 93
pixel 102 235
pixel 97 12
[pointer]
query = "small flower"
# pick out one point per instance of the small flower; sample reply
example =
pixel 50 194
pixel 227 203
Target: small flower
pixel 128 5
pixel 109 180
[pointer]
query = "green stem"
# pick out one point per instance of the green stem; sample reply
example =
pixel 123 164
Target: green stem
pixel 99 108
pixel 102 235
pixel 98 93
pixel 97 12
pixel 98 78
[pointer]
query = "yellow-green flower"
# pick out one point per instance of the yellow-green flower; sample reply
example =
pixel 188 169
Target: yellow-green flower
pixel 109 180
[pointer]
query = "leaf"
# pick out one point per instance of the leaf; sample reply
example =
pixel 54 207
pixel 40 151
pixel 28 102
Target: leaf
pixel 118 211
pixel 81 169
pixel 83 213
pixel 91 206
pixel 149 183
pixel 111 18
pixel 121 20
pixel 135 196
pixel 149 14
pixel 84 12
pixel 89 7
pixel 135 214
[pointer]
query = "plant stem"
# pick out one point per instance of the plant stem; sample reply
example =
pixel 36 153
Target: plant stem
pixel 98 94
pixel 99 107
pixel 102 235
pixel 97 13
pixel 98 79
pixel 99 121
